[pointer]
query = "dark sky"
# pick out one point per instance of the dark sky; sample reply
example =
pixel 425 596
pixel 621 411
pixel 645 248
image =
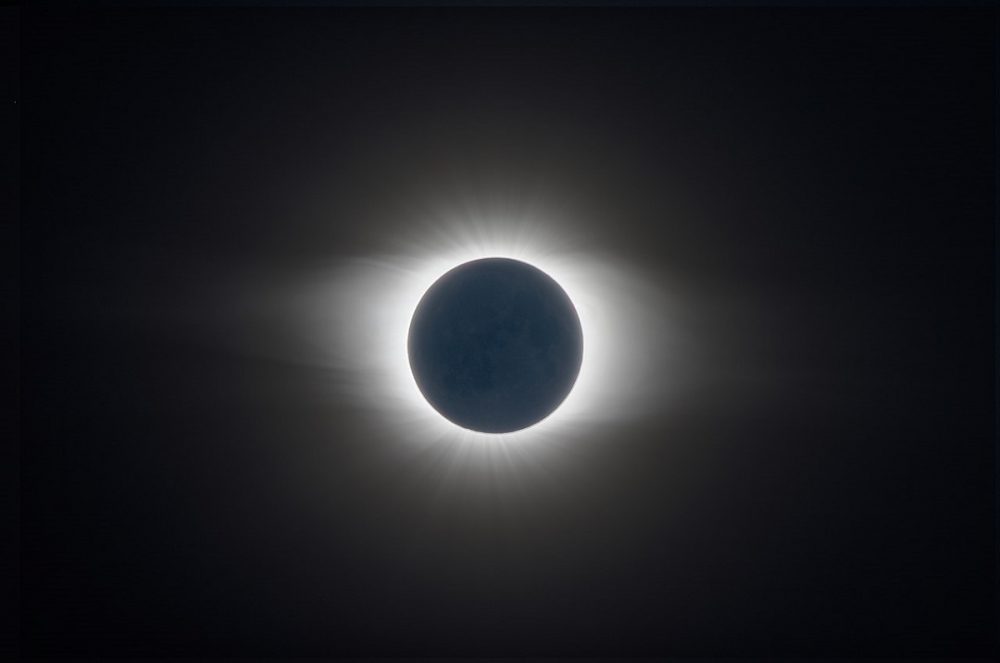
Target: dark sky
pixel 817 184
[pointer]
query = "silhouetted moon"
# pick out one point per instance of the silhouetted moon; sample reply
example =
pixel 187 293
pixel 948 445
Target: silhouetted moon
pixel 495 345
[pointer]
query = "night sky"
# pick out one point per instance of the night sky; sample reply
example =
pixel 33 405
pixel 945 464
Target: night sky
pixel 815 187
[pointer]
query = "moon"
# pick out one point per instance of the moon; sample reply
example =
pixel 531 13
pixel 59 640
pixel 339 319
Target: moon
pixel 495 345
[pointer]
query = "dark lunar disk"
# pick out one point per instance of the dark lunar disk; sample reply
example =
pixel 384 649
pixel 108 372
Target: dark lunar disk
pixel 495 345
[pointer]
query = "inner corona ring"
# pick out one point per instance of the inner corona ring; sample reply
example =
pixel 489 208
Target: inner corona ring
pixel 495 345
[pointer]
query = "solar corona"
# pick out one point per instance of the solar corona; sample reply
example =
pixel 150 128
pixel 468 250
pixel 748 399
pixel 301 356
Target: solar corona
pixel 488 334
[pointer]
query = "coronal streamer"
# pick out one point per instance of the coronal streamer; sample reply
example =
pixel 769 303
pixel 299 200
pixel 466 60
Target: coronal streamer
pixel 353 318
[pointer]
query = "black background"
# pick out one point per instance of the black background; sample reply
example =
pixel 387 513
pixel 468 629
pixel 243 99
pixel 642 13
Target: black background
pixel 835 169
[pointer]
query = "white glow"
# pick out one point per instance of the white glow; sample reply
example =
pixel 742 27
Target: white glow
pixel 356 316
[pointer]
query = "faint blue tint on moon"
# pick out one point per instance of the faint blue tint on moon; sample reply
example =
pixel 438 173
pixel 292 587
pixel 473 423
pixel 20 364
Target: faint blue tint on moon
pixel 495 345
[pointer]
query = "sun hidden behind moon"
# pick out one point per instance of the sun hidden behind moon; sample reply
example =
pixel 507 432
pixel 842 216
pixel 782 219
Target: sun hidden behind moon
pixel 495 345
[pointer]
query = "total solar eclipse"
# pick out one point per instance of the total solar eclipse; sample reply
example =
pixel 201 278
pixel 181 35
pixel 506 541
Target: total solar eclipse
pixel 495 345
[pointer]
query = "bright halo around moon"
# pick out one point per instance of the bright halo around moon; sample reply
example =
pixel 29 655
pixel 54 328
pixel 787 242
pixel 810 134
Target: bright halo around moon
pixel 357 315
